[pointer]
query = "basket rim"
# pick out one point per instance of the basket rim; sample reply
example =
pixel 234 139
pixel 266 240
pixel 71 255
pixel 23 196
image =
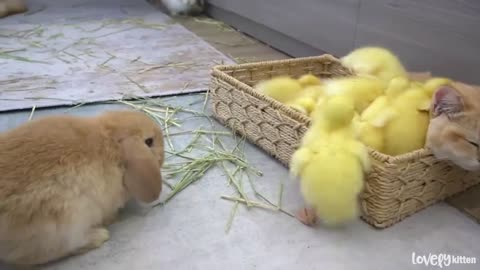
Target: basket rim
pixel 292 113
pixel 276 62
pixel 413 155
pixel 218 71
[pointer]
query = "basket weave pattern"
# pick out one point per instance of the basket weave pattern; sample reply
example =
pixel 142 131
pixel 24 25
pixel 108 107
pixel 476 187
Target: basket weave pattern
pixel 396 187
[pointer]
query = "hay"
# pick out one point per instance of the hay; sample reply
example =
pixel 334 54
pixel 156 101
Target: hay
pixel 231 217
pixel 242 60
pixel 204 152
pixel 31 113
pixel 247 202
pixel 220 25
pixel 139 85
pixel 59 35
pixel 7 55
pixel 185 65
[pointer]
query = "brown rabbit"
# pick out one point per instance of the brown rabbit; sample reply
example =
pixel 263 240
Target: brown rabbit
pixel 63 179
pixel 11 7
pixel 454 130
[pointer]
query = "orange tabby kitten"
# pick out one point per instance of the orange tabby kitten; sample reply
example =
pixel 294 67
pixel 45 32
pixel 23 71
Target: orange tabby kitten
pixel 454 131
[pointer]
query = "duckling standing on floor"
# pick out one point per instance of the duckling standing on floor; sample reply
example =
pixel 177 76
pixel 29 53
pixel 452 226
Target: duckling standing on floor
pixel 331 164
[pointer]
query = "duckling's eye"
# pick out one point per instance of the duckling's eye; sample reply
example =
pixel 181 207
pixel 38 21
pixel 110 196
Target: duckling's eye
pixel 149 142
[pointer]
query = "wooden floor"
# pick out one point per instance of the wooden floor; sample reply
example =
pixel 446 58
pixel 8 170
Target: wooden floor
pixel 238 46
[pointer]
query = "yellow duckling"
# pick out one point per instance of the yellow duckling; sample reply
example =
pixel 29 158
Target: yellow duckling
pixel 376 61
pixel 283 88
pixel 370 124
pixel 406 131
pixel 307 100
pixel 369 134
pixel 433 84
pixel 363 90
pixel 331 164
pixel 309 80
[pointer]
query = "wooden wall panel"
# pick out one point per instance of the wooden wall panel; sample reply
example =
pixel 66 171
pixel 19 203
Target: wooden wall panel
pixel 442 36
pixel 328 25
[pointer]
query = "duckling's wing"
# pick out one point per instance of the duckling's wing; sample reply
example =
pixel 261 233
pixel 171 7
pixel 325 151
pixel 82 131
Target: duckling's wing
pixel 383 118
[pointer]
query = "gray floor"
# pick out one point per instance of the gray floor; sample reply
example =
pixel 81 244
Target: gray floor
pixel 189 231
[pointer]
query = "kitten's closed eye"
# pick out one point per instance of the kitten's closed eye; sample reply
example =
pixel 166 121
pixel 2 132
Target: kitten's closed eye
pixel 473 143
pixel 478 149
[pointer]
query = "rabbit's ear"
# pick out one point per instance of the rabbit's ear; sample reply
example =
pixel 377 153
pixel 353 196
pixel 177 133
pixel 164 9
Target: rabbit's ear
pixel 142 175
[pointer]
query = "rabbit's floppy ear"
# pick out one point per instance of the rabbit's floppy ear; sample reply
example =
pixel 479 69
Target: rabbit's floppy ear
pixel 142 176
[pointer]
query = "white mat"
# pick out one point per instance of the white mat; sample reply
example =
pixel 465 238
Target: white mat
pixel 84 51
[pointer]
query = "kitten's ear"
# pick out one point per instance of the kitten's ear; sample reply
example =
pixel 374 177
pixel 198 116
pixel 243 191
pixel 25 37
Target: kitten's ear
pixel 448 101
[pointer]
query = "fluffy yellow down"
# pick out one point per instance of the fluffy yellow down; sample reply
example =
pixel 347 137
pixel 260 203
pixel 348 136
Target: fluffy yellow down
pixel 309 80
pixel 390 110
pixel 370 125
pixel 363 90
pixel 301 94
pixel 374 61
pixel 433 84
pixel 331 162
pixel 369 134
pixel 407 129
pixel 283 89
pixel 307 99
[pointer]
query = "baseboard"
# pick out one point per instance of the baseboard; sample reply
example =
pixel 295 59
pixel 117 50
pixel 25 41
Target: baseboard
pixel 270 37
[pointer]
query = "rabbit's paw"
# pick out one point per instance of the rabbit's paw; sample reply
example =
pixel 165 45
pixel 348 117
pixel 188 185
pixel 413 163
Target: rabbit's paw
pixel 96 238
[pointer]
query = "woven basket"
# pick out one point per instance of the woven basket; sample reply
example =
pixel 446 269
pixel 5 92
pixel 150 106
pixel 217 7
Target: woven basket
pixel 396 187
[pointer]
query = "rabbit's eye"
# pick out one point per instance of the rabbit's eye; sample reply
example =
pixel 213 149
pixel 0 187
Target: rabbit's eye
pixel 149 142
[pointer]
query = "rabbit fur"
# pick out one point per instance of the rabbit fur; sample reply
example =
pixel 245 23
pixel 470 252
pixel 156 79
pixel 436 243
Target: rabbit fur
pixel 64 178
pixel 181 7
pixel 11 7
